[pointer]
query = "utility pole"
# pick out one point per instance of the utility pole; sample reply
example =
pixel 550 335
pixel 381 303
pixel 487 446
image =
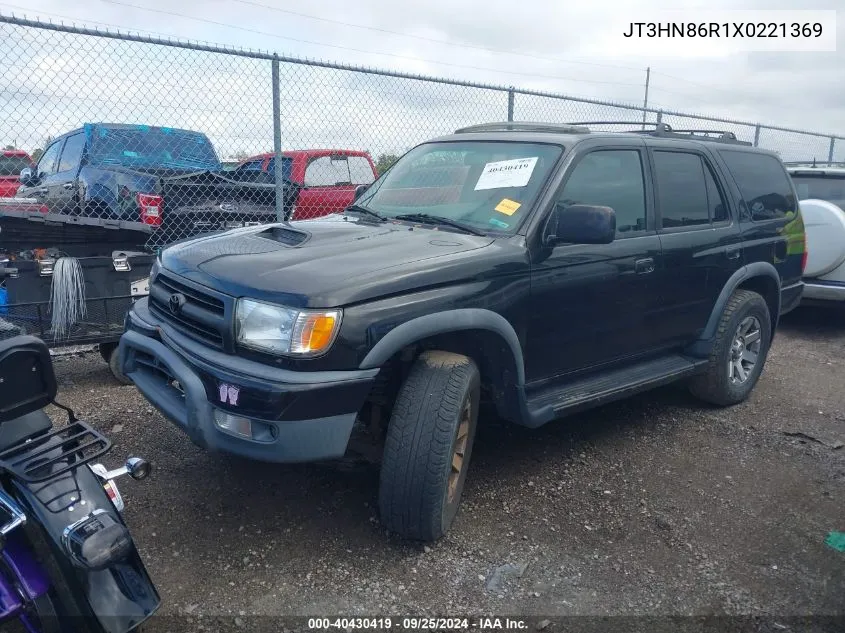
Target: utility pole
pixel 645 101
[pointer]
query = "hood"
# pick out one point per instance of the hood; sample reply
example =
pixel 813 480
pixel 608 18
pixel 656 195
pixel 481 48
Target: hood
pixel 327 262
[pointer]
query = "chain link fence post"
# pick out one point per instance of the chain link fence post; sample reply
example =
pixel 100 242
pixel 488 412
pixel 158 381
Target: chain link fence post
pixel 830 151
pixel 510 103
pixel 757 135
pixel 278 175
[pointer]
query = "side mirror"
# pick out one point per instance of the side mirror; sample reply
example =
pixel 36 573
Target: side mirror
pixel 582 224
pixel 27 176
pixel 360 190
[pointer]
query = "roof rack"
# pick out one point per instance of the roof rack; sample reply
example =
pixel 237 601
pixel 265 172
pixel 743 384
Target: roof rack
pixel 524 126
pixel 664 130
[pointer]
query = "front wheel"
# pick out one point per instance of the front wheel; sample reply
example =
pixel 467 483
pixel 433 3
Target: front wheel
pixel 110 354
pixel 739 353
pixel 428 445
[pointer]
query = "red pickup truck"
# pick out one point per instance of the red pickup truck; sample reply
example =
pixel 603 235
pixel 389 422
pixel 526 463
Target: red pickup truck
pixel 327 177
pixel 11 163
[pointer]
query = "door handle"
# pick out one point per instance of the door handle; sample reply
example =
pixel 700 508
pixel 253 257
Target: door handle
pixel 644 266
pixel 67 185
pixel 732 252
pixel 42 191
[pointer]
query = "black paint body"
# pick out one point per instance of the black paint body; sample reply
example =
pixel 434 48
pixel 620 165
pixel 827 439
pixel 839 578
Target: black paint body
pixel 535 314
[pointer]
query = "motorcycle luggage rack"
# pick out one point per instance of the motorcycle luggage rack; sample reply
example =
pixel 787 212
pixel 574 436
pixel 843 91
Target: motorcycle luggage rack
pixel 55 453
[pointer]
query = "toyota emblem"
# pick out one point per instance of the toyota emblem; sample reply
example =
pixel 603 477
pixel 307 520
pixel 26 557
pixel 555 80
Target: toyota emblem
pixel 176 302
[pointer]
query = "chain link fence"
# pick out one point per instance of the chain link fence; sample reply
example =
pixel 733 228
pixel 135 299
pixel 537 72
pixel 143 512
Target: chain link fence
pixel 165 140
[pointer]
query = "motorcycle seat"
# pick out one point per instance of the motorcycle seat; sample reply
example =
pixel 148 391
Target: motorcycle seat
pixel 20 429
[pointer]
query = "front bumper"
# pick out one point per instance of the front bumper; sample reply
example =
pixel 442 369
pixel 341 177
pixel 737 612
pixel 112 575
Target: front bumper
pixel 295 416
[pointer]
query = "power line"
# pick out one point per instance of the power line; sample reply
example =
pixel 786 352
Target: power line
pixel 108 25
pixel 694 83
pixel 359 50
pixel 361 26
pixel 431 39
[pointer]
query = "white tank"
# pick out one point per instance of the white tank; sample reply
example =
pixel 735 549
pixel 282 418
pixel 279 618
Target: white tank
pixel 824 223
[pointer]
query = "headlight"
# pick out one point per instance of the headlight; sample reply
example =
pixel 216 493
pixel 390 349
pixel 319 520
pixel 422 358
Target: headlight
pixel 286 331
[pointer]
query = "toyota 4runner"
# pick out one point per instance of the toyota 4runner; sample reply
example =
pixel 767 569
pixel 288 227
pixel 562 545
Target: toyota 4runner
pixel 541 268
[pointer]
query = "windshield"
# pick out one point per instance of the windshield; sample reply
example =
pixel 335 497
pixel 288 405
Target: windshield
pixel 486 185
pixel 153 147
pixel 11 165
pixel 827 188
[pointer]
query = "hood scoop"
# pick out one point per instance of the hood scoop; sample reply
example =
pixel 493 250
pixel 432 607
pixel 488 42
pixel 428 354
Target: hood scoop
pixel 284 235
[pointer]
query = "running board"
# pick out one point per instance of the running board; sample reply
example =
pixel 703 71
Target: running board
pixel 557 401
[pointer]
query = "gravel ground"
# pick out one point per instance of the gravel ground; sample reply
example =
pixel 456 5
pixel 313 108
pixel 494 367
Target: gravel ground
pixel 654 506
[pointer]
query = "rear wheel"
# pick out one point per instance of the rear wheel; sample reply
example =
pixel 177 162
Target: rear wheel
pixel 428 445
pixel 739 353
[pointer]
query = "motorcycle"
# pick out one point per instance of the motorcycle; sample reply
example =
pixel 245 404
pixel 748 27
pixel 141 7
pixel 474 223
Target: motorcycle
pixel 67 559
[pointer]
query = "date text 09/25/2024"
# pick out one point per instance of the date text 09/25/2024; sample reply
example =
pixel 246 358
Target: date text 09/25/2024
pixel 481 624
pixel 725 30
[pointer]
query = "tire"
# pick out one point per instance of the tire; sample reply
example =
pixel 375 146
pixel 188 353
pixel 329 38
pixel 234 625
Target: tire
pixel 434 420
pixel 114 366
pixel 721 383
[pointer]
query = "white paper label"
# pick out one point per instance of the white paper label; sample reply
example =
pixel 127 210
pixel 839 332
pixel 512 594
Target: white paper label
pixel 506 173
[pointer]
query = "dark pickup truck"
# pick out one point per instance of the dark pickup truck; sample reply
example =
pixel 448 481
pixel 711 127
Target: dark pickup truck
pixel 169 179
pixel 542 269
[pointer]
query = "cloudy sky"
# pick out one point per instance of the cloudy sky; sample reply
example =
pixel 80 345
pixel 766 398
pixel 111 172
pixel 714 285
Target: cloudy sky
pixel 538 44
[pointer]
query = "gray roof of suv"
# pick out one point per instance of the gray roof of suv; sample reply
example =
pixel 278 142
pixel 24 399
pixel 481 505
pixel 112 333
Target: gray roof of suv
pixel 569 139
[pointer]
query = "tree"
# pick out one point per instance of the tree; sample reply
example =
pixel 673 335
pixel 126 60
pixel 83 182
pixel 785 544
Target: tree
pixel 241 155
pixel 385 161
pixel 10 146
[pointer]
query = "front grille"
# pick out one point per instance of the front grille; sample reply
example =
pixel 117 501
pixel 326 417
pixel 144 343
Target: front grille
pixel 202 316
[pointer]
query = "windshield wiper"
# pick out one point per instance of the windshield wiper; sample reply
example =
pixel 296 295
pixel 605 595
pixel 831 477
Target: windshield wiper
pixel 426 218
pixel 366 211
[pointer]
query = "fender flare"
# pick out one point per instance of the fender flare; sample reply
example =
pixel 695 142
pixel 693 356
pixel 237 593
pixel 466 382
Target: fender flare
pixel 754 269
pixel 443 323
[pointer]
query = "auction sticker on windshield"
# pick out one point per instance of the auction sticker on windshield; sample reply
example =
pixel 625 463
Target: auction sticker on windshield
pixel 508 207
pixel 506 173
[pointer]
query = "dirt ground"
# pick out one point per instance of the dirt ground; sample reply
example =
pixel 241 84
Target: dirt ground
pixel 655 506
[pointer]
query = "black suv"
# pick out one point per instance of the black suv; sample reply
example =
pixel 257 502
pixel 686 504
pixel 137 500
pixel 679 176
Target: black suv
pixel 543 269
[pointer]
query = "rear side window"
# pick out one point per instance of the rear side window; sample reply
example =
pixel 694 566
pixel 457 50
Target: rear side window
pixel 762 181
pixel 612 178
pixel 327 171
pixel 715 199
pixel 687 193
pixel 681 190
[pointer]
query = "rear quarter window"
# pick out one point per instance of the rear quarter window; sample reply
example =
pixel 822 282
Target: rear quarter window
pixel 767 192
